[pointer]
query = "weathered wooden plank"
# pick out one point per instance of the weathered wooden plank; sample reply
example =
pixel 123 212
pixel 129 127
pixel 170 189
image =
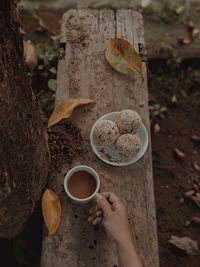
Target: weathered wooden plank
pixel 84 72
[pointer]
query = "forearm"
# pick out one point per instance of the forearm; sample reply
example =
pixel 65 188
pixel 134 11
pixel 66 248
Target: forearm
pixel 127 254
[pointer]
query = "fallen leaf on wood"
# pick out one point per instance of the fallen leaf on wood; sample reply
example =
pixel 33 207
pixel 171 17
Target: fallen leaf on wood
pixel 195 166
pixel 123 57
pixel 179 10
pixel 196 219
pixel 191 36
pixel 65 110
pixel 195 138
pixel 185 243
pixel 156 128
pixel 30 55
pixel 51 210
pixel 179 154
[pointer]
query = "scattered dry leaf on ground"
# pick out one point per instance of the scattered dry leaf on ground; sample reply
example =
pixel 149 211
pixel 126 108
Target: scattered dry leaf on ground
pixel 51 210
pixel 191 36
pixel 185 243
pixel 22 27
pixel 55 37
pixel 30 55
pixel 179 10
pixel 145 3
pixel 65 110
pixel 179 154
pixel 156 128
pixel 196 219
pixel 123 57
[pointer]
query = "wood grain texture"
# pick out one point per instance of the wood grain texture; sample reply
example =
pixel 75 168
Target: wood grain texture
pixel 84 72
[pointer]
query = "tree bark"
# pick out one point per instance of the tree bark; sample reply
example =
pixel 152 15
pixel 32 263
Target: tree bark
pixel 24 154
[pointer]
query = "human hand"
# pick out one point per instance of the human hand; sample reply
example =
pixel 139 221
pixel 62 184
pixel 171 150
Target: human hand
pixel 112 213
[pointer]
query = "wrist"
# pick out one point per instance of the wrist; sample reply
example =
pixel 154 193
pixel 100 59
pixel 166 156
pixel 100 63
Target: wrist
pixel 125 241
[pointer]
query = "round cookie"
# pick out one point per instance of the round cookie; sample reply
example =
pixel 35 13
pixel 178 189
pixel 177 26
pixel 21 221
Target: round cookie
pixel 128 145
pixel 128 121
pixel 105 133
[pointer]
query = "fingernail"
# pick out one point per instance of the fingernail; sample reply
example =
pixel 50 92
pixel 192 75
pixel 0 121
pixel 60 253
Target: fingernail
pixel 89 219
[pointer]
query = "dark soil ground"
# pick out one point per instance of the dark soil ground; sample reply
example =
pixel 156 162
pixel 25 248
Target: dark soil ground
pixel 171 179
pixel 174 92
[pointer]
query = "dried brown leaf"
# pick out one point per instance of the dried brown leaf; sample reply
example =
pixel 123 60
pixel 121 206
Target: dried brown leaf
pixel 187 223
pixel 51 210
pixel 196 187
pixel 195 32
pixel 156 128
pixel 22 27
pixel 123 57
pixel 185 243
pixel 179 154
pixel 196 166
pixel 196 219
pixel 189 193
pixel 190 25
pixel 55 37
pixel 30 55
pixel 195 138
pixel 196 199
pixel 179 10
pixel 191 36
pixel 65 110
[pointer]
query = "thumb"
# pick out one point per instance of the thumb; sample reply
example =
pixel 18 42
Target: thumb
pixel 104 205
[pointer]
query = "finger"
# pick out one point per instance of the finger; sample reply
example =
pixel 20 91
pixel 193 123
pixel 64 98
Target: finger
pixel 96 214
pixel 96 221
pixel 93 208
pixel 111 197
pixel 104 205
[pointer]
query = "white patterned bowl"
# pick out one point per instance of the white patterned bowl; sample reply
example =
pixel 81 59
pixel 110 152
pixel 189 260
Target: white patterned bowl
pixel 108 154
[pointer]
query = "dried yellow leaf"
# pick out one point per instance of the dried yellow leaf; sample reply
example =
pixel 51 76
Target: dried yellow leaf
pixel 51 210
pixel 65 110
pixel 123 57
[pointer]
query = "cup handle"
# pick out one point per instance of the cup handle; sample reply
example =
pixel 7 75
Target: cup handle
pixel 97 196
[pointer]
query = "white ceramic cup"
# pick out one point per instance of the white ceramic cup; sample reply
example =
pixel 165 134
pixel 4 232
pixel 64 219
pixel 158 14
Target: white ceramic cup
pixel 90 171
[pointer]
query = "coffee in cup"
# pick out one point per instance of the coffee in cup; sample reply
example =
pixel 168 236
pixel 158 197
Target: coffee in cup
pixel 81 184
